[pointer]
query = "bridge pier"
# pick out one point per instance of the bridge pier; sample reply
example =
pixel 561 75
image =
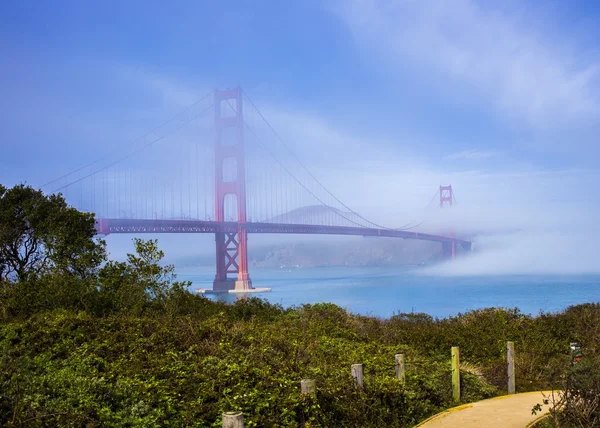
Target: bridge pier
pixel 233 286
pixel 232 258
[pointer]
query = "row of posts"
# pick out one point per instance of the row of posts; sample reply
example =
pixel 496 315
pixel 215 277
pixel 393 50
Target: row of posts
pixel 309 387
pixel 510 360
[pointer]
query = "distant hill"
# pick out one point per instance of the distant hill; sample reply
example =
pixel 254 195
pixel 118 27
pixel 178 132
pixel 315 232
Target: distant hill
pixel 356 252
pixel 317 214
pixel 351 251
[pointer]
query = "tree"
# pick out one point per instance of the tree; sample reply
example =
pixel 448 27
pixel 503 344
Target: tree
pixel 142 283
pixel 41 234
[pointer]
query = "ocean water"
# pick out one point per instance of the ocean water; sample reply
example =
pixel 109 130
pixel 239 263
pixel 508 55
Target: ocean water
pixel 382 292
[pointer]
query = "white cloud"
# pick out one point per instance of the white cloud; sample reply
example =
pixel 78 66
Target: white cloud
pixel 525 73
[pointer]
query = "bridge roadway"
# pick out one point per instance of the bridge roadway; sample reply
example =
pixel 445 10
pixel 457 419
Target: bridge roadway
pixel 108 226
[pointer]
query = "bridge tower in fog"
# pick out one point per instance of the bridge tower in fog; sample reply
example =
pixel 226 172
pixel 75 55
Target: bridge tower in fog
pixel 446 198
pixel 231 247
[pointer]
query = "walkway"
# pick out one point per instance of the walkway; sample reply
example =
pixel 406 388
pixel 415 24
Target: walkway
pixel 508 411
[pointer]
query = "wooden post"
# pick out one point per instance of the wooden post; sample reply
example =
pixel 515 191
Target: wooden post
pixel 400 368
pixel 455 374
pixel 357 374
pixel 308 386
pixel 510 359
pixel 233 420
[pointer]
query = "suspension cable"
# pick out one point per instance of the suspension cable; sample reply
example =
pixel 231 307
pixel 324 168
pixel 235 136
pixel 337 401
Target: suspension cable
pixel 135 151
pixel 406 226
pixel 288 171
pixel 293 176
pixel 185 110
pixel 307 170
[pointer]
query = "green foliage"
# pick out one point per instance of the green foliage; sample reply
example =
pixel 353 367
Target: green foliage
pixel 142 284
pixel 582 395
pixel 578 404
pixel 49 257
pixel 73 367
pixel 69 368
pixel 126 344
pixel 41 234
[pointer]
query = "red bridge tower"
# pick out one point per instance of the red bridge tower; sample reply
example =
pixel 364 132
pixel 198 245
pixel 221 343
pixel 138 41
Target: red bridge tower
pixel 232 249
pixel 446 197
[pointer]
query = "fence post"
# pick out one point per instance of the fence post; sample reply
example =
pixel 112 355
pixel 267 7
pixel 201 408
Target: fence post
pixel 510 358
pixel 233 420
pixel 455 374
pixel 308 386
pixel 400 368
pixel 357 374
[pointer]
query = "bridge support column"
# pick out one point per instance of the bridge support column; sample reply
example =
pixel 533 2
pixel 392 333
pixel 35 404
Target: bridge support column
pixel 232 258
pixel 446 198
pixel 449 250
pixel 243 278
pixel 231 247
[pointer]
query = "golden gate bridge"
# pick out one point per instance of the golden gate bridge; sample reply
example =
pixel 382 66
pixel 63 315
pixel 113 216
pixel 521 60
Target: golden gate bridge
pixel 210 182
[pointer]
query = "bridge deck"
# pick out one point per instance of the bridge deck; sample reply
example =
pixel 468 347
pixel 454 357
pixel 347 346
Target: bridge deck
pixel 108 226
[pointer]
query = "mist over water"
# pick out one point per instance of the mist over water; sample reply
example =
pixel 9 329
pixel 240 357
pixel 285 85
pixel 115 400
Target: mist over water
pixel 526 253
pixel 534 237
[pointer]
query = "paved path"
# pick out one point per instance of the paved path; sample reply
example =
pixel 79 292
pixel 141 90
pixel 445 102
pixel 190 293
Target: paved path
pixel 508 411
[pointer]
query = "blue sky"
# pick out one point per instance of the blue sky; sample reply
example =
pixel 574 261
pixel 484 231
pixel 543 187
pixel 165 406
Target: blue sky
pixel 384 99
pixel 520 81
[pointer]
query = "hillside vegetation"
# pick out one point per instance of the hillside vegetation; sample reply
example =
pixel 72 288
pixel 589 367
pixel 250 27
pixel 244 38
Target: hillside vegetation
pixel 185 363
pixel 90 342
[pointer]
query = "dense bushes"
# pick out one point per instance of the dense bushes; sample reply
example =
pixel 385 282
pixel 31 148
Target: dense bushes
pixel 67 367
pixel 84 342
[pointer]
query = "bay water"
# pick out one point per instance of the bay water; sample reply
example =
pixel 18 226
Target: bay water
pixel 385 291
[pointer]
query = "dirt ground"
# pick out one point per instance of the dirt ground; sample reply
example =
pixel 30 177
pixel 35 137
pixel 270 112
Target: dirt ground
pixel 509 411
